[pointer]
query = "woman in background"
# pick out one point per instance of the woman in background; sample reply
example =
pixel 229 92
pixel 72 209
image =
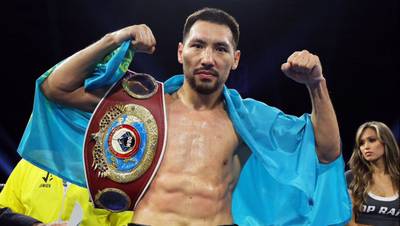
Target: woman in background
pixel 373 177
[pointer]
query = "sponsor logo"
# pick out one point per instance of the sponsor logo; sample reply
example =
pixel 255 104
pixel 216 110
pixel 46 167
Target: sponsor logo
pixel 46 180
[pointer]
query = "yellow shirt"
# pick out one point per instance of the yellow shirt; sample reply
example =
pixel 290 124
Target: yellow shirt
pixel 34 192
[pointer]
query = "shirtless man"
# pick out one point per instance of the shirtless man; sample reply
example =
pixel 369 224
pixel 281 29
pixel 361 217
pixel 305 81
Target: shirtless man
pixel 200 168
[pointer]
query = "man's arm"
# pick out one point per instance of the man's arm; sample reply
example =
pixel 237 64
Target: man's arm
pixel 305 68
pixel 65 84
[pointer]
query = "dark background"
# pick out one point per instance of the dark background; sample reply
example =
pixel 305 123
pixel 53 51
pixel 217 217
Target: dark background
pixel 356 40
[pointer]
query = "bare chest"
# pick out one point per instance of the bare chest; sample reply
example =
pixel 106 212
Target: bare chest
pixel 199 140
pixel 199 168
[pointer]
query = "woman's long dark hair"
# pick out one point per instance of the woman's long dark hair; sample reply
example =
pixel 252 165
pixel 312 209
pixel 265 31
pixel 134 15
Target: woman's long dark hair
pixel 362 169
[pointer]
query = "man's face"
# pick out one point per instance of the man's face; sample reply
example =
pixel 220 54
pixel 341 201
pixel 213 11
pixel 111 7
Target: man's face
pixel 207 56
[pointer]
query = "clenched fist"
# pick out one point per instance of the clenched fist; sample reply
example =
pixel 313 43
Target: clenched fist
pixel 303 67
pixel 142 38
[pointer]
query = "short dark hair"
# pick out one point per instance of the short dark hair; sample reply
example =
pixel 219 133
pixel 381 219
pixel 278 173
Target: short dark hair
pixel 216 16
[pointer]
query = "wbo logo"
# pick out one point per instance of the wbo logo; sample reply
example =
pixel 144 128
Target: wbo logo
pixel 126 141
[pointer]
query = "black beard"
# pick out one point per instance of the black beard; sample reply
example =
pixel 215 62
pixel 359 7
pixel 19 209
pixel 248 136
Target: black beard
pixel 204 88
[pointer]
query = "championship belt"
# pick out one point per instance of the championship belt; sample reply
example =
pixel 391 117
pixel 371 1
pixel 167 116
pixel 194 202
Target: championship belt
pixel 124 142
